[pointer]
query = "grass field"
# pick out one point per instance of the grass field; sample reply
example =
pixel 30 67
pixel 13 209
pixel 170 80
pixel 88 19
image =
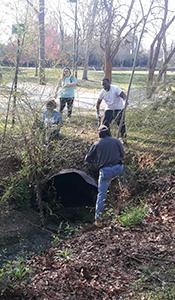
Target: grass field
pixel 120 78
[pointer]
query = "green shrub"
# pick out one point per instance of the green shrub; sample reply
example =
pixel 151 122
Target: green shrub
pixel 167 293
pixel 13 271
pixel 20 192
pixel 64 254
pixel 65 231
pixel 132 216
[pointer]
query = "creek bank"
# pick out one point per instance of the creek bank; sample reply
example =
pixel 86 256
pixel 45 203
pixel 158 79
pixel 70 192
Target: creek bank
pixel 21 234
pixel 67 193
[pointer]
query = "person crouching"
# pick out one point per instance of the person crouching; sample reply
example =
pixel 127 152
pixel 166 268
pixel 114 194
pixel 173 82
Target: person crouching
pixel 52 120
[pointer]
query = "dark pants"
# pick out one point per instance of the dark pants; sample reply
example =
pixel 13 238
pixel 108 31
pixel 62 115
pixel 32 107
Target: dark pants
pixel 69 102
pixel 116 115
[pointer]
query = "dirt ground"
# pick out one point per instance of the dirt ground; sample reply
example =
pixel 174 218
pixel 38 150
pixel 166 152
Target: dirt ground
pixel 111 262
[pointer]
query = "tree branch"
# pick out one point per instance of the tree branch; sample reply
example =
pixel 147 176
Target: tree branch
pixel 31 5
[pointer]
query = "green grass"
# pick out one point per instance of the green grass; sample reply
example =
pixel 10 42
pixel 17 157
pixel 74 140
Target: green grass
pixel 14 271
pixel 132 216
pixel 148 287
pixel 120 77
pixel 152 132
pixel 63 254
pixel 95 77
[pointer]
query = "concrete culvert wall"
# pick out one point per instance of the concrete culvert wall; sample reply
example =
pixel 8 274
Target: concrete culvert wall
pixel 70 188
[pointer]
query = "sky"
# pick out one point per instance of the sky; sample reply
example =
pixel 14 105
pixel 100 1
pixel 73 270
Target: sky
pixel 8 16
pixel 8 13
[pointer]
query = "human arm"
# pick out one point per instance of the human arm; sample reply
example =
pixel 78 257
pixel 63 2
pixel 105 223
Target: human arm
pixel 120 93
pixel 57 118
pixel 98 107
pixel 73 82
pixel 121 150
pixel 124 97
pixel 91 156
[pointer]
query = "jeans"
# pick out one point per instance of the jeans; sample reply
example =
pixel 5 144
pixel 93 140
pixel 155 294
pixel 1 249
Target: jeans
pixel 106 175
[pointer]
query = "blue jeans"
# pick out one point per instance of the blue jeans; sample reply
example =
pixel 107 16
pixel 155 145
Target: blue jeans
pixel 106 175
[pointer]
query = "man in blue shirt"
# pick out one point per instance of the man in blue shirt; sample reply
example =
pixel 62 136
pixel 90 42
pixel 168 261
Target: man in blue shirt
pixel 108 153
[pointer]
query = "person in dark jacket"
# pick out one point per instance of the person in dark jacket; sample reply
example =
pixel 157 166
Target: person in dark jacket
pixel 108 153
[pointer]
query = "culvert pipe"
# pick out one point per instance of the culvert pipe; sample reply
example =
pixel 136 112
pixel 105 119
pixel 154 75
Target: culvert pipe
pixel 70 188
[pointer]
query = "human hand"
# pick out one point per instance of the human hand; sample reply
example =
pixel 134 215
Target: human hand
pixel 98 116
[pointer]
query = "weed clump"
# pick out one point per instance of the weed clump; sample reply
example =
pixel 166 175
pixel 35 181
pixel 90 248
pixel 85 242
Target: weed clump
pixel 132 216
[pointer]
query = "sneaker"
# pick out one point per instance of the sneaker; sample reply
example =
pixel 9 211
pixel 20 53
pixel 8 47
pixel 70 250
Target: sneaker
pixel 98 223
pixel 125 141
pixel 68 120
pixel 121 140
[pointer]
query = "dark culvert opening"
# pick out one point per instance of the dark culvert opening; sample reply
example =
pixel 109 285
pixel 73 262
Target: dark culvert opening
pixel 68 192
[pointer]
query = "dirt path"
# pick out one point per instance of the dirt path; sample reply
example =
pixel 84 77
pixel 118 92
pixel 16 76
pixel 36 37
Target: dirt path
pixel 36 95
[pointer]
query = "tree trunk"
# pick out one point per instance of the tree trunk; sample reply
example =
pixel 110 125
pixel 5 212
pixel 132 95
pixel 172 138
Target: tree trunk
pixel 16 82
pixel 155 50
pixel 75 42
pixel 85 69
pixel 36 70
pixel 163 69
pixel 41 43
pixel 150 84
pixel 85 72
pixel 165 52
pixel 108 66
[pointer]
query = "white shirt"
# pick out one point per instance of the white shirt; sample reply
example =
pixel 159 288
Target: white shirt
pixel 112 98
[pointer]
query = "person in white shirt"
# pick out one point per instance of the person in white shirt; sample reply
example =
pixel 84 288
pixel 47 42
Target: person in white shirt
pixel 114 99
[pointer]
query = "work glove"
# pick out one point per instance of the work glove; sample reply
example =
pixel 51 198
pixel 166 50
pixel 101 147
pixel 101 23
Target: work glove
pixel 98 116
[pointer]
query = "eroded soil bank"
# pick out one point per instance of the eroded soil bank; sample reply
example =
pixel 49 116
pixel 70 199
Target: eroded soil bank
pixel 21 234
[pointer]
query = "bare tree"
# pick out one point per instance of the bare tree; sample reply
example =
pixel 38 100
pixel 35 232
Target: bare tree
pixel 40 62
pixel 88 13
pixel 155 50
pixel 114 28
pixel 145 18
pixel 56 18
pixel 42 42
pixel 163 69
pixel 36 11
pixel 165 54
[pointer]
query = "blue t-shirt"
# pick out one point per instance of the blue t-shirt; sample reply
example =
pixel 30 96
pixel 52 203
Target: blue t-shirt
pixel 51 118
pixel 68 91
